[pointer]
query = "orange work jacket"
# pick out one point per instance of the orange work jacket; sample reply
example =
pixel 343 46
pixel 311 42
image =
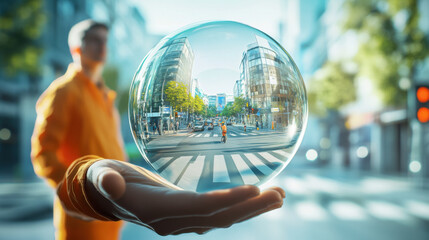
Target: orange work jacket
pixel 75 118
pixel 223 130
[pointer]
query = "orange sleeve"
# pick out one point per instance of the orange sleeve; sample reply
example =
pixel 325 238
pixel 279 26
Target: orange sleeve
pixel 53 114
pixel 71 190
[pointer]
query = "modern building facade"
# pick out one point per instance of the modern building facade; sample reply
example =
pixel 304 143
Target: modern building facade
pixel 266 78
pixel 175 64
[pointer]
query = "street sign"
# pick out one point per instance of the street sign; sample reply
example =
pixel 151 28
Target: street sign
pixel 166 110
pixel 275 109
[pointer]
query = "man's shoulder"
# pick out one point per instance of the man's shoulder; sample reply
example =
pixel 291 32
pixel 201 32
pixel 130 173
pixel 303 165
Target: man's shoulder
pixel 60 88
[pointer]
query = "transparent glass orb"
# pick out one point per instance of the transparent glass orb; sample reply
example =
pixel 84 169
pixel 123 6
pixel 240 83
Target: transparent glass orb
pixel 208 78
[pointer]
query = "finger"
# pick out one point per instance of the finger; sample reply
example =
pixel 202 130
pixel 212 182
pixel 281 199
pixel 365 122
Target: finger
pixel 272 207
pixel 168 203
pixel 251 207
pixel 109 182
pixel 204 230
pixel 280 190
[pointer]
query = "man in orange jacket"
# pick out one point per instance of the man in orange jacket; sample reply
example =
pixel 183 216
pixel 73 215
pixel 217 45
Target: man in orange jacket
pixel 75 139
pixel 76 116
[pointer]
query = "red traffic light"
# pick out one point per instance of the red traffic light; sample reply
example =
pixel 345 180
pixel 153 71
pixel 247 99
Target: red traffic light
pixel 423 115
pixel 422 94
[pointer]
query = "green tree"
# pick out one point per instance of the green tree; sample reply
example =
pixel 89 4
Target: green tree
pixel 211 111
pixel 239 105
pixel 330 89
pixel 392 46
pixel 228 110
pixel 21 25
pixel 198 105
pixel 176 94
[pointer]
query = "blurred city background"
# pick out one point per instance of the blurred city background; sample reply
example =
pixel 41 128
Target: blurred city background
pixel 362 171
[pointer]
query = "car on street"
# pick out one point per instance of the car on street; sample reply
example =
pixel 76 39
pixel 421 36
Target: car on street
pixel 199 126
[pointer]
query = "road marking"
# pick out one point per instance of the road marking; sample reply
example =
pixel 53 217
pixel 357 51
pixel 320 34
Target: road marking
pixel 308 210
pixel 246 173
pixel 346 210
pixel 258 163
pixel 386 211
pixel 220 172
pixel 232 134
pixel 207 135
pixel 254 134
pixel 243 134
pixel 192 135
pixel 161 162
pixel 172 172
pixel 283 153
pixel 199 135
pixel 214 135
pixel 297 186
pixel 270 157
pixel 192 174
pixel 418 209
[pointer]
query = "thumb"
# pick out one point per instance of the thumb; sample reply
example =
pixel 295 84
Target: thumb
pixel 110 183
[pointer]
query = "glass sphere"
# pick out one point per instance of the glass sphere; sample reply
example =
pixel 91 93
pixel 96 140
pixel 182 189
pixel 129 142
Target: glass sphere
pixel 217 105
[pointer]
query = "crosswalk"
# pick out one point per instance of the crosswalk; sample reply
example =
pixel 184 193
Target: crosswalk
pixel 213 171
pixel 305 203
pixel 230 134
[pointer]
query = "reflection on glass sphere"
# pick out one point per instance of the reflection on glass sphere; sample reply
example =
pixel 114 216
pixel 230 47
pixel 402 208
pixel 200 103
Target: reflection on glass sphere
pixel 208 78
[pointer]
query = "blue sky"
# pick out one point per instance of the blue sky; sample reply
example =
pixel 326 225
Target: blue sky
pixel 165 16
pixel 215 75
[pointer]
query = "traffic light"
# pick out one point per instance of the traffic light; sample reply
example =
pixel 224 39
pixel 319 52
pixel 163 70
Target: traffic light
pixel 175 114
pixel 252 110
pixel 422 103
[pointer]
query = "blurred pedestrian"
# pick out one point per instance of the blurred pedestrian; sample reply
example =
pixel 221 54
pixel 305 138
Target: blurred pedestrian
pixel 76 116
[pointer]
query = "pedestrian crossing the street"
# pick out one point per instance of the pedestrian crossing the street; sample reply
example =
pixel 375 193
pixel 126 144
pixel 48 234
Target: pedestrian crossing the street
pixel 219 171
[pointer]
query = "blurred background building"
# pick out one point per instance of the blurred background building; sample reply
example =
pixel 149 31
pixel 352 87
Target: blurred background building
pixel 361 61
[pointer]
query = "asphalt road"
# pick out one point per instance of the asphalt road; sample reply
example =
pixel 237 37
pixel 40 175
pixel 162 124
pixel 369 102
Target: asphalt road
pixel 200 161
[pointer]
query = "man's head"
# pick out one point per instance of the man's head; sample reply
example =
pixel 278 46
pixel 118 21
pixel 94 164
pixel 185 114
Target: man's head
pixel 87 41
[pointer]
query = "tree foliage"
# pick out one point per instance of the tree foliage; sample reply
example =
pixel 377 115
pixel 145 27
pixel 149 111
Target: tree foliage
pixel 331 89
pixel 21 25
pixel 176 93
pixel 392 43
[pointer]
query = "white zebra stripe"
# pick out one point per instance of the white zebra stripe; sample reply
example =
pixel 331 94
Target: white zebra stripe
pixel 192 174
pixel 258 163
pixel 283 153
pixel 161 162
pixel 308 210
pixel 270 157
pixel 246 173
pixel 347 210
pixel 220 172
pixel 172 172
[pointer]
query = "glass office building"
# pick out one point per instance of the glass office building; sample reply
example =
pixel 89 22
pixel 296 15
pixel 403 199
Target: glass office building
pixel 176 59
pixel 267 82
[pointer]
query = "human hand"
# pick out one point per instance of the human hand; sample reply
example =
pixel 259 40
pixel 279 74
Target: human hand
pixel 137 195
